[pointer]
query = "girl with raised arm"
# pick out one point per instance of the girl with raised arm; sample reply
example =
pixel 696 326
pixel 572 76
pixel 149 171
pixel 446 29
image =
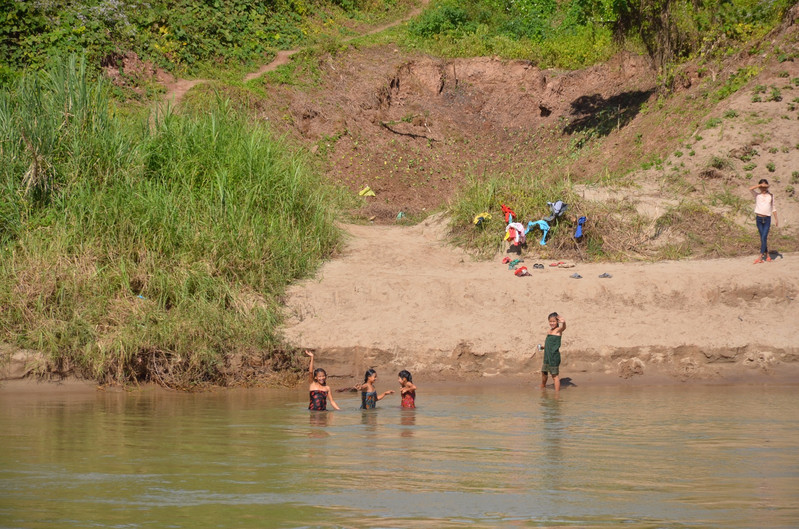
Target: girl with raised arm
pixel 320 391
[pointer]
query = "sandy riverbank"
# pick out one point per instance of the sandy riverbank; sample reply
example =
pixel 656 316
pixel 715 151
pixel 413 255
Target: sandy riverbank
pixel 399 297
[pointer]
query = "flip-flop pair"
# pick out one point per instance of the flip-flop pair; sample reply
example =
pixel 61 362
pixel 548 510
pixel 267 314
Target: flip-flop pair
pixel 558 263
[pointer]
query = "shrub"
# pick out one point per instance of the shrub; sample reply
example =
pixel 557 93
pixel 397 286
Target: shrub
pixel 445 17
pixel 719 162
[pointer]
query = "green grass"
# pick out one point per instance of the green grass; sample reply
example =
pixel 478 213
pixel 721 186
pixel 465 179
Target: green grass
pixel 143 251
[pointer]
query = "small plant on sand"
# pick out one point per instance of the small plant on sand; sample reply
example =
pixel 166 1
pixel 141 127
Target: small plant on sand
pixel 775 94
pixel 771 167
pixel 795 177
pixel 719 162
pixel 712 123
pixel 750 166
pixel 731 114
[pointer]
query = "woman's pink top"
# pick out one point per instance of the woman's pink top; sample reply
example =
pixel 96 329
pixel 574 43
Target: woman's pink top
pixel 764 204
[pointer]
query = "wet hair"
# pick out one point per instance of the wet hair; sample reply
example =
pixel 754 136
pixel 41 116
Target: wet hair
pixel 369 372
pixel 553 315
pixel 406 375
pixel 317 371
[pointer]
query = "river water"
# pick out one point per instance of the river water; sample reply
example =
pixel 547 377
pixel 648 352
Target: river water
pixel 477 456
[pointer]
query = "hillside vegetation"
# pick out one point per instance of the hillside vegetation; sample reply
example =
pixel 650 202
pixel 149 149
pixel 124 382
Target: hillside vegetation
pixel 186 37
pixel 155 251
pixel 156 245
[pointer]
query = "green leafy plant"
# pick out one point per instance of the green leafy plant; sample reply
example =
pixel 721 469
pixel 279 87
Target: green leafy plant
pixel 775 94
pixel 720 162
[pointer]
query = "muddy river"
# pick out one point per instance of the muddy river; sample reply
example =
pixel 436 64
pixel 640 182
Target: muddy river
pixel 477 456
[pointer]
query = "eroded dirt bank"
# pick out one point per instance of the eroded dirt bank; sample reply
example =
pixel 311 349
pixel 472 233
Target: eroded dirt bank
pixel 400 298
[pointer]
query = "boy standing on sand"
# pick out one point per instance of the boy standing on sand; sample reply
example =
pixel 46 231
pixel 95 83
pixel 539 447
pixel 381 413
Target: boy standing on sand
pixel 551 364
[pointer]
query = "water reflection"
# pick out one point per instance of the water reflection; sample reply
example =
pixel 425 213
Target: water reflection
pixel 552 439
pixel 407 421
pixel 319 420
pixel 369 419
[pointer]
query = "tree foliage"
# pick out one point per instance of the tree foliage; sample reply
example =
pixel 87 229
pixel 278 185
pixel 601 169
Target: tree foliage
pixel 673 29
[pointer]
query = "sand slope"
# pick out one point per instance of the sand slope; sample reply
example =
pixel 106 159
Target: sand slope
pixel 399 297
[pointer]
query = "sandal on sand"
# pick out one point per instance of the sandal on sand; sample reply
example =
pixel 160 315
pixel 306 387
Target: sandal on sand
pixel 538 266
pixel 558 263
pixel 758 260
pixel 605 275
pixel 576 276
pixel 566 265
pixel 768 258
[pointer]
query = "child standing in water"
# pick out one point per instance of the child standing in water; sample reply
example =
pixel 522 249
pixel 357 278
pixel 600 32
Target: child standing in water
pixel 408 390
pixel 551 364
pixel 369 396
pixel 319 389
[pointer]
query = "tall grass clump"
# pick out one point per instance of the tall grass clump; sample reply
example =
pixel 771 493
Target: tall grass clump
pixel 149 252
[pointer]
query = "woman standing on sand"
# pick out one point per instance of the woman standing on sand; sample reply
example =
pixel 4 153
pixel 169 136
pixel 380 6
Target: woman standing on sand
pixel 764 210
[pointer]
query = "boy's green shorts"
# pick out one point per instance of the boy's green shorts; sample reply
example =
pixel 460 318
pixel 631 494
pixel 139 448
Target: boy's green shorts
pixel 552 370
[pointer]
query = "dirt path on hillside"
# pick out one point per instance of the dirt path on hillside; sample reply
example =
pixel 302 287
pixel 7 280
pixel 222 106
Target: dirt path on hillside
pixel 399 298
pixel 178 88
